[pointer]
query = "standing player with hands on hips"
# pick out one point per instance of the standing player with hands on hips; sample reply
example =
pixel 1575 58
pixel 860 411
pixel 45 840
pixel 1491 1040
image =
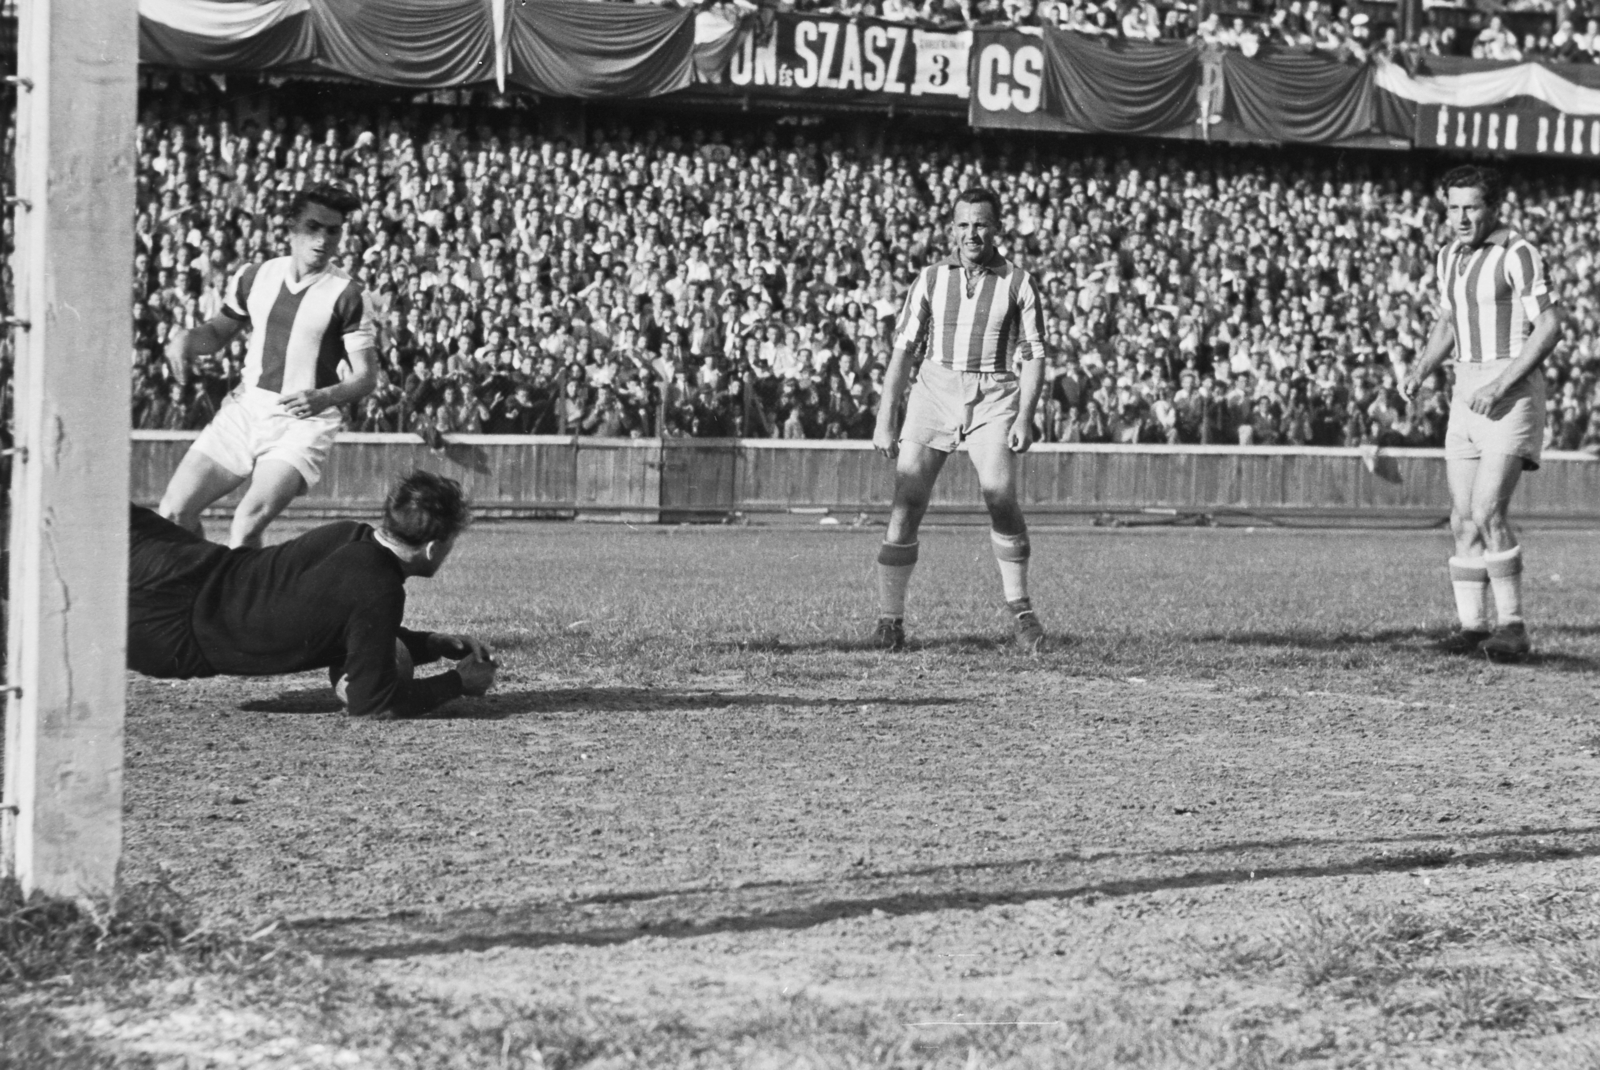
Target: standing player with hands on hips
pixel 308 321
pixel 979 320
pixel 1498 318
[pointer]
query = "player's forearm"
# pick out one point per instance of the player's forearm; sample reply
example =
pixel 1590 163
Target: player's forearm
pixel 1441 341
pixel 362 380
pixel 1546 332
pixel 895 378
pixel 1032 388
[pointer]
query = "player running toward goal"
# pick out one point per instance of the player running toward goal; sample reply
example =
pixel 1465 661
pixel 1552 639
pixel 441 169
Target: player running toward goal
pixel 979 320
pixel 308 321
pixel 1498 318
pixel 332 598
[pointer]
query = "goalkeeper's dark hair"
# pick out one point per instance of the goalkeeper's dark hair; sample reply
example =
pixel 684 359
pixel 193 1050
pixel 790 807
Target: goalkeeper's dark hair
pixel 425 507
pixel 326 194
pixel 1476 176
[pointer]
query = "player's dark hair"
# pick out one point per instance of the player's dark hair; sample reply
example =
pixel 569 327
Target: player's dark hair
pixel 1476 176
pixel 425 507
pixel 326 194
pixel 979 195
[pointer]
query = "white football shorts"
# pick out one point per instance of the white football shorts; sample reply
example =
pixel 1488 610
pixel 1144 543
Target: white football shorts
pixel 252 427
pixel 1513 428
pixel 950 407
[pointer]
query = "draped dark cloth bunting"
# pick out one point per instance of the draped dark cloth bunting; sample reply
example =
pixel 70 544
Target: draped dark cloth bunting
pixel 1120 87
pixel 423 43
pixel 1299 96
pixel 254 39
pixel 288 44
pixel 575 48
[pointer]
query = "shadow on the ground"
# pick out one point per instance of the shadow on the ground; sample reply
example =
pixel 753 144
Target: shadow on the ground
pixel 971 643
pixel 501 705
pixel 305 700
pixel 1425 641
pixel 572 922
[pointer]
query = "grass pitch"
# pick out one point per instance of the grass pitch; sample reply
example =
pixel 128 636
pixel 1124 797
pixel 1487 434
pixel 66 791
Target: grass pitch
pixel 1240 814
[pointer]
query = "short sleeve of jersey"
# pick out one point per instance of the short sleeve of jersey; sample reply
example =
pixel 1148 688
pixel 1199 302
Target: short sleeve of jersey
pixel 353 318
pixel 236 301
pixel 916 312
pixel 1525 268
pixel 1030 311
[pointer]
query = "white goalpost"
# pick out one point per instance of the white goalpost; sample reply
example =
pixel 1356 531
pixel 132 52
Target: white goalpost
pixel 61 812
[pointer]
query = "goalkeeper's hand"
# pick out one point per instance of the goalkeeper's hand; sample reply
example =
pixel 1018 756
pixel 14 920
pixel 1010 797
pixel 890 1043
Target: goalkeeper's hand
pixel 477 674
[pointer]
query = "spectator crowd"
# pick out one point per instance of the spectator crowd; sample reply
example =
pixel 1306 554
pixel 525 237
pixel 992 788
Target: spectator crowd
pixel 669 280
pixel 1562 31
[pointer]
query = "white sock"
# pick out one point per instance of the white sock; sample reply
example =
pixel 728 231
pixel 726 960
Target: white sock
pixel 896 561
pixel 1470 579
pixel 1505 576
pixel 1011 554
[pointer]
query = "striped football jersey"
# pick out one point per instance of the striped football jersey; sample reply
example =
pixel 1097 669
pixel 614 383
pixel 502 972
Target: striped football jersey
pixel 300 332
pixel 1492 294
pixel 973 325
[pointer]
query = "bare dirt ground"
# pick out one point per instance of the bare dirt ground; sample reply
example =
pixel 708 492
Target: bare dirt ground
pixel 1241 815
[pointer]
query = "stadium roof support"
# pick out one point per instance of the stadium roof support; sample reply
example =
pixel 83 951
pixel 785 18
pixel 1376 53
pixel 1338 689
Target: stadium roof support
pixel 61 832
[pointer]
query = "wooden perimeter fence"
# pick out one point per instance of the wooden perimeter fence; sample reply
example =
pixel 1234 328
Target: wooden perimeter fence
pixel 649 480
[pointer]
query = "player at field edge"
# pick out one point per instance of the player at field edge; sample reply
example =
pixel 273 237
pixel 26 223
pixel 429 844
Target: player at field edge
pixel 1496 315
pixel 308 321
pixel 332 598
pixel 979 321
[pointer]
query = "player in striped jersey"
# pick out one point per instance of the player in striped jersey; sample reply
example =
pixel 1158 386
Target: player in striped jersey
pixel 311 350
pixel 978 320
pixel 1498 318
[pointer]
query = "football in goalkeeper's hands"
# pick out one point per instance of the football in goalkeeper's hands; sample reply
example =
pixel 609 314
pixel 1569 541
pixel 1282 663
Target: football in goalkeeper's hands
pixel 402 664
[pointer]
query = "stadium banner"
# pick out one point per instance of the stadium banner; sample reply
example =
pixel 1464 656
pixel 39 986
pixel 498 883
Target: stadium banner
pixel 575 48
pixel 1007 79
pixel 1575 90
pixel 1523 128
pixel 838 59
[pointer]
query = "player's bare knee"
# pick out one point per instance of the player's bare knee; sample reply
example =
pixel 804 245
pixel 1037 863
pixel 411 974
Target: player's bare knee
pixel 1489 521
pixel 1005 515
pixel 911 496
pixel 250 520
pixel 1496 531
pixel 188 519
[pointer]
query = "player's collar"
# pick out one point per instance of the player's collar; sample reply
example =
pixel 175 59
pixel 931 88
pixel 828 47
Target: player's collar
pixel 993 266
pixel 306 281
pixel 1498 236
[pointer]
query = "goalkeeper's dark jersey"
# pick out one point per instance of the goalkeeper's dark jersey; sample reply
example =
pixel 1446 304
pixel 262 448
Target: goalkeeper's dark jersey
pixel 332 598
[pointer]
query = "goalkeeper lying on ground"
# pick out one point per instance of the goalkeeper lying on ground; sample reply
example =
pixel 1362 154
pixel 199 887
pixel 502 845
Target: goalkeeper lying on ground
pixel 332 598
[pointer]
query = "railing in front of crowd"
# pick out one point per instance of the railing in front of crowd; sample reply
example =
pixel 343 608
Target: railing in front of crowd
pixel 645 480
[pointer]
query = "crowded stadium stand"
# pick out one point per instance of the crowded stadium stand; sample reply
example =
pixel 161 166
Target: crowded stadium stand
pixel 707 271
